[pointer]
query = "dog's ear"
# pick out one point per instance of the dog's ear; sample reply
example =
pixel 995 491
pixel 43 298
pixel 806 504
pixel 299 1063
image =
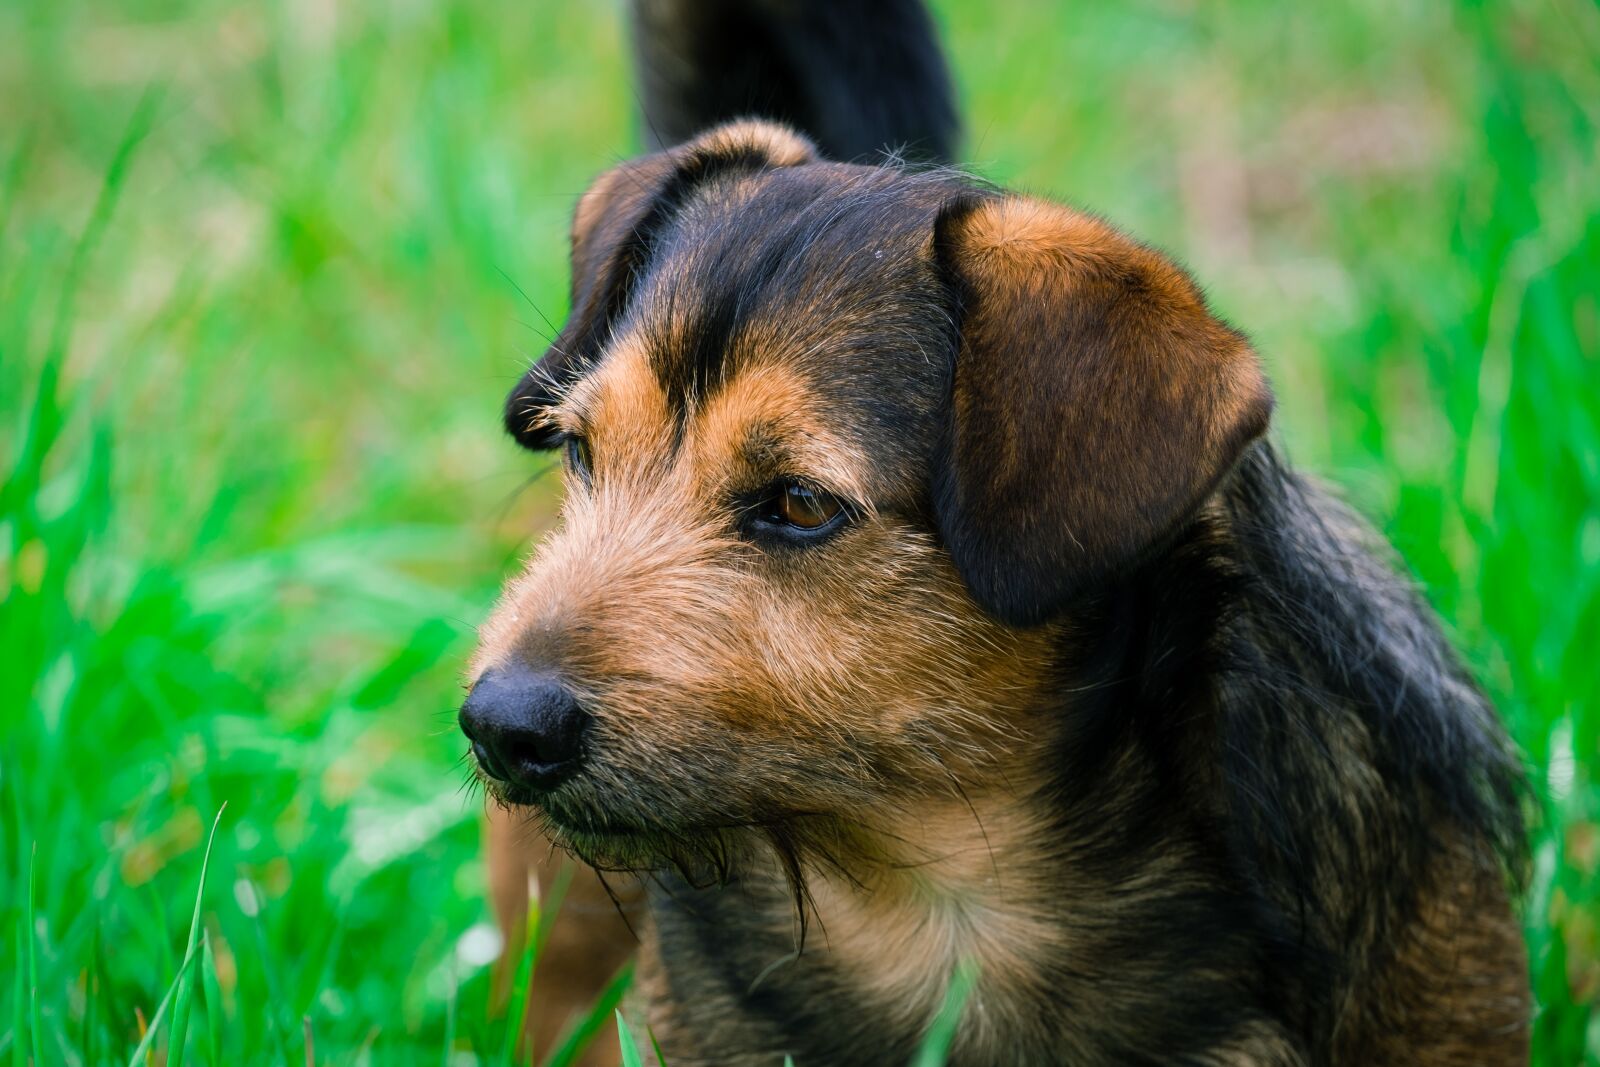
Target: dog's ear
pixel 1096 403
pixel 607 247
pixel 611 233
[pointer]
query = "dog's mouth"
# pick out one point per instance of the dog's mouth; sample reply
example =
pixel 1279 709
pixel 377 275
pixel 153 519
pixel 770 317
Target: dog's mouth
pixel 599 837
pixel 703 853
pixel 573 821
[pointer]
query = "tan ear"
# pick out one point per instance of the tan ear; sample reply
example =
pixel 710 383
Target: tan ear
pixel 1096 403
pixel 611 232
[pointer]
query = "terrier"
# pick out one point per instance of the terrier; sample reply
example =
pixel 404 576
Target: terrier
pixel 928 595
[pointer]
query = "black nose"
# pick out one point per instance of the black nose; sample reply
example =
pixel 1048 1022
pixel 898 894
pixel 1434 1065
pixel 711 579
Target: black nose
pixel 526 728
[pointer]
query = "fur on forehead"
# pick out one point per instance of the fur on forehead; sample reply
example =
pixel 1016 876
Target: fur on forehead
pixel 825 270
pixel 742 234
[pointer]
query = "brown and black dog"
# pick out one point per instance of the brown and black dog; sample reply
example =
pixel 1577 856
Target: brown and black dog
pixel 927 593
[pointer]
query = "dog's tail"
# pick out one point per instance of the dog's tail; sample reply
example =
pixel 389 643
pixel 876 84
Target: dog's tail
pixel 857 77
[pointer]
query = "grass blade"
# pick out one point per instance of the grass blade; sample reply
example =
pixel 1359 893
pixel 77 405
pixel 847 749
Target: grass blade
pixel 19 1052
pixel 150 1031
pixel 541 920
pixel 605 1006
pixel 33 963
pixel 185 1001
pixel 521 983
pixel 270 1010
pixel 19 1006
pixel 936 1045
pixel 212 989
pixel 105 203
pixel 91 991
pixel 630 1048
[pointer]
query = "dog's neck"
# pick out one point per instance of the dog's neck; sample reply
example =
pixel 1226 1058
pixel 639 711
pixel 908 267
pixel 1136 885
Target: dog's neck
pixel 964 882
pixel 971 881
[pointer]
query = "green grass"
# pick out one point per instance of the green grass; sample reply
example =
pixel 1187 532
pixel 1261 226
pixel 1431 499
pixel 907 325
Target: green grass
pixel 259 300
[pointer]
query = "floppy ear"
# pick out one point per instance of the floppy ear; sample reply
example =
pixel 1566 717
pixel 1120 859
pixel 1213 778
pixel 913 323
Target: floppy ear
pixel 611 232
pixel 607 247
pixel 1096 403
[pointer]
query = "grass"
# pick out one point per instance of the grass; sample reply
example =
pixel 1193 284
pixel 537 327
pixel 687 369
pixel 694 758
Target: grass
pixel 261 270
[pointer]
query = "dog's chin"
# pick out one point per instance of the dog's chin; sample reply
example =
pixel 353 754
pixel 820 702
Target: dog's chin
pixel 630 852
pixel 609 842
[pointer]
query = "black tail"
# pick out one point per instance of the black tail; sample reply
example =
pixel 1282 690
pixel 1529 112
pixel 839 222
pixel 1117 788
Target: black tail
pixel 856 76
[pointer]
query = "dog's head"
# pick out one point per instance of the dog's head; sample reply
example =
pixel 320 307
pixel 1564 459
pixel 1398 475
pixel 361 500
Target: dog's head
pixel 844 445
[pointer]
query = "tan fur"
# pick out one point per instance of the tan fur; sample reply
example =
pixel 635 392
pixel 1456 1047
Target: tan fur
pixel 952 884
pixel 775 400
pixel 621 410
pixel 783 146
pixel 1032 250
pixel 955 884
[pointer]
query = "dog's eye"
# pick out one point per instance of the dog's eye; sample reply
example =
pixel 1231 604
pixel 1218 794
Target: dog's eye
pixel 580 461
pixel 802 507
pixel 792 513
pixel 806 508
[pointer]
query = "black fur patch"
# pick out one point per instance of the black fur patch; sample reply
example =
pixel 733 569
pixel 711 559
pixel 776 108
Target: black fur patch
pixel 859 78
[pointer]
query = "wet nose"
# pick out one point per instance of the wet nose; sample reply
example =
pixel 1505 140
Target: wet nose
pixel 526 728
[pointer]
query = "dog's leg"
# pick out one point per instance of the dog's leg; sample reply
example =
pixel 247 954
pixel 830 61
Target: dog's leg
pixel 1454 992
pixel 584 948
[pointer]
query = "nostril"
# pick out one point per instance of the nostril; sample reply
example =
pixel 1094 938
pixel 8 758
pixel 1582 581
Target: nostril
pixel 556 735
pixel 549 742
pixel 486 760
pixel 528 760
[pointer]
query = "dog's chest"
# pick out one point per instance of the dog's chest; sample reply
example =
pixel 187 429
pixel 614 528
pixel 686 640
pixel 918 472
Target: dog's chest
pixel 862 991
pixel 880 953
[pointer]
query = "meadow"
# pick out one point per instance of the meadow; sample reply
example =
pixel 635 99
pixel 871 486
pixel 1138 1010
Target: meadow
pixel 267 270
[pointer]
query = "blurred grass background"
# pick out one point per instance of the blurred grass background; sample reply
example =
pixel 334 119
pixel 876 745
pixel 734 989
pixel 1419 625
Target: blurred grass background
pixel 262 277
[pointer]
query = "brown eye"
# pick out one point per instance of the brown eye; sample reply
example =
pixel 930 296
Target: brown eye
pixel 806 508
pixel 579 459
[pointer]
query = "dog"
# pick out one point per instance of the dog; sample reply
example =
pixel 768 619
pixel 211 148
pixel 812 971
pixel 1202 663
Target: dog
pixel 929 598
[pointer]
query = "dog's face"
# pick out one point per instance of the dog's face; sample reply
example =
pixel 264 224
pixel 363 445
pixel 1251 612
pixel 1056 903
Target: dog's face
pixel 842 445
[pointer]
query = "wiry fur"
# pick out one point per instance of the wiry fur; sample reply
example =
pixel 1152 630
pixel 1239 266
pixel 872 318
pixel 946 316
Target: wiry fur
pixel 1091 691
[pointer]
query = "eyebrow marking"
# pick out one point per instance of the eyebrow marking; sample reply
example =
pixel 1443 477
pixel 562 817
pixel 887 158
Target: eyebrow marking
pixel 620 406
pixel 739 256
pixel 772 409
